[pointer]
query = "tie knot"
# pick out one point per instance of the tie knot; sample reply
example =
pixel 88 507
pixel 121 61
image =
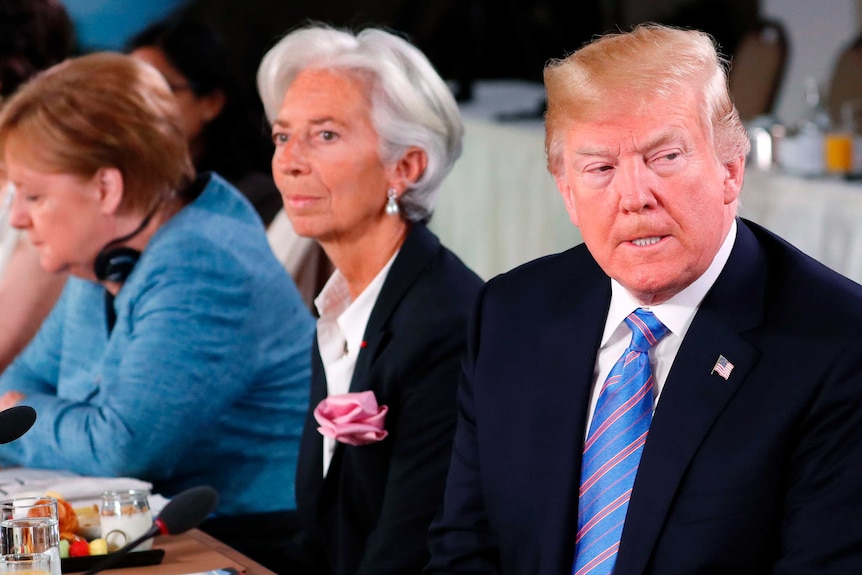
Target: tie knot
pixel 647 330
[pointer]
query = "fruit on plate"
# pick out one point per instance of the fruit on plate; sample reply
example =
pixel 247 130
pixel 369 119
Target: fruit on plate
pixel 69 536
pixel 79 549
pixel 79 529
pixel 98 546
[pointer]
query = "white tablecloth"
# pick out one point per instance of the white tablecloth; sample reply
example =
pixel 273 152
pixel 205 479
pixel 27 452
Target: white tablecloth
pixel 76 489
pixel 820 216
pixel 499 207
pixel 24 482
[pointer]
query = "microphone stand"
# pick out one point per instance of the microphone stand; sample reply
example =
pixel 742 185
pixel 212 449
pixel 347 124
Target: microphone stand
pixel 113 558
pixel 185 511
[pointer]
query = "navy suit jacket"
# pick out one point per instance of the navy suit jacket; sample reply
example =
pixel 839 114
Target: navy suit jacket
pixel 758 473
pixel 372 511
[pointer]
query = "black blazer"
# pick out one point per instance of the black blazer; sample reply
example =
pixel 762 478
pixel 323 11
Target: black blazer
pixel 371 513
pixel 758 473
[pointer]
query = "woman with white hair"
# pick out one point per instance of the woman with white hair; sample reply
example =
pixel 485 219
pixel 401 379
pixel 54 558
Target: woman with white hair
pixel 365 130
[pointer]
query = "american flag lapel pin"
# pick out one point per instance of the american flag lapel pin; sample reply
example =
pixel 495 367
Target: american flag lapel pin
pixel 722 367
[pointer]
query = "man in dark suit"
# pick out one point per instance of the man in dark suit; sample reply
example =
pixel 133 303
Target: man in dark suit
pixel 750 461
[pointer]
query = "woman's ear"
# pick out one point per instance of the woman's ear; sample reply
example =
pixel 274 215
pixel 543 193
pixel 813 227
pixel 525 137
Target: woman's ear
pixel 109 185
pixel 409 169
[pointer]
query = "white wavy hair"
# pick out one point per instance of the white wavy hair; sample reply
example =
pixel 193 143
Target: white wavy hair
pixel 410 104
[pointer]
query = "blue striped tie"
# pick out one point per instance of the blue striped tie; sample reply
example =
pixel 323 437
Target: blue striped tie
pixel 613 449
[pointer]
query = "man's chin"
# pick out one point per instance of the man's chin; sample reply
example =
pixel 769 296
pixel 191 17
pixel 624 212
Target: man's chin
pixel 651 291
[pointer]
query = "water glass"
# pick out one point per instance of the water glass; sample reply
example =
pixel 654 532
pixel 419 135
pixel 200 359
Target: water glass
pixel 124 516
pixel 26 564
pixel 31 525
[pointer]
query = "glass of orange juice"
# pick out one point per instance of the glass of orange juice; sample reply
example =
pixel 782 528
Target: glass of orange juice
pixel 839 152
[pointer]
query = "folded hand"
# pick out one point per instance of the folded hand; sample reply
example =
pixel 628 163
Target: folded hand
pixel 10 399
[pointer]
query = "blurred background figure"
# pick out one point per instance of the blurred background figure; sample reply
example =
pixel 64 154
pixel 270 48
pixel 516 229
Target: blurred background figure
pixel 34 34
pixel 179 351
pixel 365 130
pixel 225 126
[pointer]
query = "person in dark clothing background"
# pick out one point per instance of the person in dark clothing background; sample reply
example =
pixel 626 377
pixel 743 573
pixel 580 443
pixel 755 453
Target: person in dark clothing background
pixel 225 126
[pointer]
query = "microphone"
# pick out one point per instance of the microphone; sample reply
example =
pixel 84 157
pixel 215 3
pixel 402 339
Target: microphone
pixel 185 511
pixel 15 422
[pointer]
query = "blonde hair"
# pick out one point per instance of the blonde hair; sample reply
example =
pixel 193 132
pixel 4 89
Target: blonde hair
pixel 103 110
pixel 651 61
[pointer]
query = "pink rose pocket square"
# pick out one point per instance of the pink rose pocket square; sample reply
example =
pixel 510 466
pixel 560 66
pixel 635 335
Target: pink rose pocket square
pixel 352 418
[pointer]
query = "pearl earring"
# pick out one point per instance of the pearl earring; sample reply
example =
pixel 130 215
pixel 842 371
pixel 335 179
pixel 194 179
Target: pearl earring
pixel 391 204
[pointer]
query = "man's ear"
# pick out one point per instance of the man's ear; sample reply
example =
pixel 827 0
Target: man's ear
pixel 733 179
pixel 109 184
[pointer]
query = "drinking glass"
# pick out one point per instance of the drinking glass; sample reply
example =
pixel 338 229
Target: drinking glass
pixel 31 525
pixel 26 564
pixel 124 516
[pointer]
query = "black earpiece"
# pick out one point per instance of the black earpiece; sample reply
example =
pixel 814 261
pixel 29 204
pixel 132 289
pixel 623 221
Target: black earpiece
pixel 115 265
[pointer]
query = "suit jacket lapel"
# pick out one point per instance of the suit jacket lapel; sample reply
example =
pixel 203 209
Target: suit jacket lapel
pixel 540 378
pixel 563 383
pixel 694 396
pixel 418 249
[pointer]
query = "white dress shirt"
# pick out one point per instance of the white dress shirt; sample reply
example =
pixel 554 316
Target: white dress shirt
pixel 340 330
pixel 676 314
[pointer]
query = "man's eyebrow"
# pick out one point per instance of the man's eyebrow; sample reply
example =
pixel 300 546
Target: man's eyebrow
pixel 593 151
pixel 660 139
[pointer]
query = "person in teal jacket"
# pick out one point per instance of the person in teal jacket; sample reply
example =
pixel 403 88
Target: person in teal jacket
pixel 179 352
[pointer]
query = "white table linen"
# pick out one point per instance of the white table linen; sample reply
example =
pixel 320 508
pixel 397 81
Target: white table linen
pixel 820 216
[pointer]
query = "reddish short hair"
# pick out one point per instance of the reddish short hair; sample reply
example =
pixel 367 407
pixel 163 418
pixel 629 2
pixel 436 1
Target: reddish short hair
pixel 103 110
